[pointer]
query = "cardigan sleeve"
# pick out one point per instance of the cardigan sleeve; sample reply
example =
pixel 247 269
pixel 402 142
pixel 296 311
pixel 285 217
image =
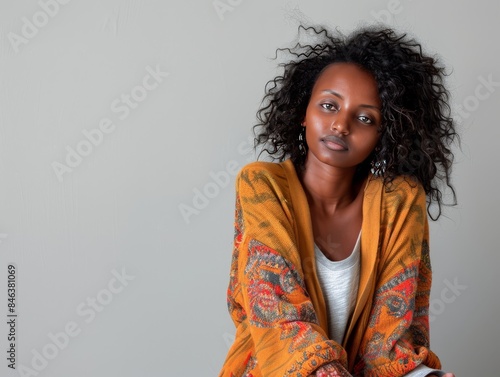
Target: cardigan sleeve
pixel 396 340
pixel 278 333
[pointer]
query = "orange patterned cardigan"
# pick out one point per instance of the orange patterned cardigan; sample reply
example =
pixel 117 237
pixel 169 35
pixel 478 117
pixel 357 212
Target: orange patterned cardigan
pixel 275 299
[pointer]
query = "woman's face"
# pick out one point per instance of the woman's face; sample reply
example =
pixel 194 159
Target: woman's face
pixel 343 116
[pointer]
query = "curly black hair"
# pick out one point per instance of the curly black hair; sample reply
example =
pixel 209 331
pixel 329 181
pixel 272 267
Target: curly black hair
pixel 417 129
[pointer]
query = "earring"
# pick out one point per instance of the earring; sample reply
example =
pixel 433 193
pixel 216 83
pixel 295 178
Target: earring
pixel 302 144
pixel 378 167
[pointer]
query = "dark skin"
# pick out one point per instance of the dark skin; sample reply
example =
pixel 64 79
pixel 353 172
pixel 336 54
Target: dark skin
pixel 342 128
pixel 342 122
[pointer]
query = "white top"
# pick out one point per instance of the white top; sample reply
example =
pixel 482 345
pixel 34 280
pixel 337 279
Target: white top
pixel 339 282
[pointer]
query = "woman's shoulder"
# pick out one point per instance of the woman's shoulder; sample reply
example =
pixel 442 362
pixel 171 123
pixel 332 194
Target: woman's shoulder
pixel 402 188
pixel 265 175
pixel 262 167
pixel 266 170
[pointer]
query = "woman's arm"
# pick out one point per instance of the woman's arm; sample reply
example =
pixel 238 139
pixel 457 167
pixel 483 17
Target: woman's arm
pixel 396 339
pixel 277 326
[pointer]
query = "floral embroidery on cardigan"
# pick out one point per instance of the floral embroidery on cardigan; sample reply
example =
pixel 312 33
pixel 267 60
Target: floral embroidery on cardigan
pixel 270 266
pixel 270 279
pixel 395 299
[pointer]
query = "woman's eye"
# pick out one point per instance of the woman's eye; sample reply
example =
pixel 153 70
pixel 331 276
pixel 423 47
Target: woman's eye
pixel 365 119
pixel 329 106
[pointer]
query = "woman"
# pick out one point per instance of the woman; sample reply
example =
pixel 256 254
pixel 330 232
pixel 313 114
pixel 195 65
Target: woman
pixel 330 273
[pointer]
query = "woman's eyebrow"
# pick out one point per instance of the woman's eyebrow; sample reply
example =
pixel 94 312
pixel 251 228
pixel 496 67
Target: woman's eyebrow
pixel 341 97
pixel 333 92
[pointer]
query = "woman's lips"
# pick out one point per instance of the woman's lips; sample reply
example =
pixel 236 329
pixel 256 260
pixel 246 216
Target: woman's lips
pixel 335 143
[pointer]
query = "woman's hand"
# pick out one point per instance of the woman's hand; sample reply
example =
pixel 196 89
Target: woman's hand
pixel 330 371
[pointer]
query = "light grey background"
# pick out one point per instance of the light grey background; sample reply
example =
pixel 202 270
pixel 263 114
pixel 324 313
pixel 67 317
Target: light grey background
pixel 119 210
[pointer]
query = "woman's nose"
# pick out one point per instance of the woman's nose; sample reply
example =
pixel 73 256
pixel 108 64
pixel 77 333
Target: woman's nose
pixel 340 124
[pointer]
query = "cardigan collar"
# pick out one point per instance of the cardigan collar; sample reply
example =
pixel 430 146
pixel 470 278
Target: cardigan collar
pixel 370 230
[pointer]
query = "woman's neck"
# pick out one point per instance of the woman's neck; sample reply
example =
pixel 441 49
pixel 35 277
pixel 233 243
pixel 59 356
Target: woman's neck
pixel 329 188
